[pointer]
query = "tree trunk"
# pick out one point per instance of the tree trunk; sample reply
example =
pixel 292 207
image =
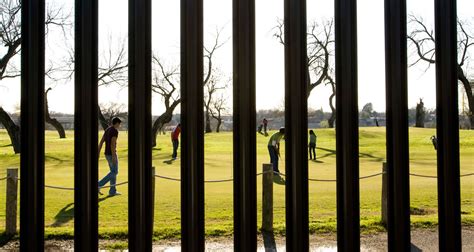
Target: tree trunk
pixel 12 129
pixel 162 120
pixel 218 127
pixel 57 125
pixel 208 122
pixel 103 122
pixel 48 119
pixel 332 119
pixel 469 95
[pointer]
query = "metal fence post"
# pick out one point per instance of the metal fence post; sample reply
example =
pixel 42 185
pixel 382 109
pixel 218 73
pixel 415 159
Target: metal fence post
pixel 140 200
pixel 192 121
pixel 347 126
pixel 244 138
pixel 267 198
pixel 396 214
pixel 447 126
pixel 32 125
pixel 296 126
pixel 12 201
pixel 86 52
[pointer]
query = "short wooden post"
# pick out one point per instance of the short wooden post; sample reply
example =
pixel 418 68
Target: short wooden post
pixel 267 198
pixel 12 201
pixel 153 173
pixel 384 193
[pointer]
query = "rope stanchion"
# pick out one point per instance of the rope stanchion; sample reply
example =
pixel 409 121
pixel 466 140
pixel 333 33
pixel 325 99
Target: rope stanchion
pixel 322 180
pixel 231 179
pixel 279 173
pixel 59 188
pixel 167 178
pixel 423 176
pixel 118 184
pixel 218 181
pixel 371 176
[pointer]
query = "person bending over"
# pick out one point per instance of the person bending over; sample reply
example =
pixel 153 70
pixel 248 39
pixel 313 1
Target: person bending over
pixel 274 148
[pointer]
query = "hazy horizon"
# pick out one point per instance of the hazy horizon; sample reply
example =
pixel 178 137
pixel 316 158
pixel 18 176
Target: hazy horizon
pixel 270 57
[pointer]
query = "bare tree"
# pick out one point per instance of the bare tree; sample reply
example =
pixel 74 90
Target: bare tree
pixel 218 109
pixel 165 83
pixel 320 50
pixel 113 109
pixel 112 70
pixel 423 42
pixel 10 43
pixel 212 77
pixel 213 85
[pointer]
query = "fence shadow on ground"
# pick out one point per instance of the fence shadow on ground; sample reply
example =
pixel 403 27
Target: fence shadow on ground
pixel 415 248
pixel 5 238
pixel 269 241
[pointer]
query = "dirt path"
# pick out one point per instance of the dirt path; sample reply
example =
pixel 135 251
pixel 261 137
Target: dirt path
pixel 422 239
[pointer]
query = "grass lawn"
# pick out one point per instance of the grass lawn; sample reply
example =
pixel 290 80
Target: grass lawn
pixel 59 211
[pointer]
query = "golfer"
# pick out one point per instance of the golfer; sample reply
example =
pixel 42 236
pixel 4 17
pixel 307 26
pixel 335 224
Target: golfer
pixel 274 148
pixel 110 138
pixel 175 140
pixel 312 145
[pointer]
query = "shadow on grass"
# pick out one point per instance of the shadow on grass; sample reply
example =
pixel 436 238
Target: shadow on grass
pixel 66 214
pixel 5 238
pixel 361 154
pixel 317 161
pixel 52 158
pixel 169 161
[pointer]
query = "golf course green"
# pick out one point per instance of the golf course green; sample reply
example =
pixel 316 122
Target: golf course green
pixel 59 204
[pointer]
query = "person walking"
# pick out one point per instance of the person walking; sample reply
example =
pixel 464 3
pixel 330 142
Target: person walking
pixel 175 140
pixel 312 145
pixel 274 148
pixel 110 139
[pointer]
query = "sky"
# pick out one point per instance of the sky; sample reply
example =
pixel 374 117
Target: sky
pixel 113 18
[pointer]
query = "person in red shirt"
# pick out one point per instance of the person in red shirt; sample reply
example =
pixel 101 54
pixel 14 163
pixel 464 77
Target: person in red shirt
pixel 175 140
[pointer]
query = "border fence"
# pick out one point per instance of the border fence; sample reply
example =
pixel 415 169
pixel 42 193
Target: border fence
pixel 244 180
pixel 268 174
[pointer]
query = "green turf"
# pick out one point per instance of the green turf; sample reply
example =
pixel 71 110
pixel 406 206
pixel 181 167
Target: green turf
pixel 59 210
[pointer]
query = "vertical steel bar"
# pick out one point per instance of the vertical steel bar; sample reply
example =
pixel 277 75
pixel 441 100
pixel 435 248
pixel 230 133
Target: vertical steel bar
pixel 296 126
pixel 140 198
pixel 85 126
pixel 244 138
pixel 397 125
pixel 347 134
pixel 32 125
pixel 192 121
pixel 447 120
